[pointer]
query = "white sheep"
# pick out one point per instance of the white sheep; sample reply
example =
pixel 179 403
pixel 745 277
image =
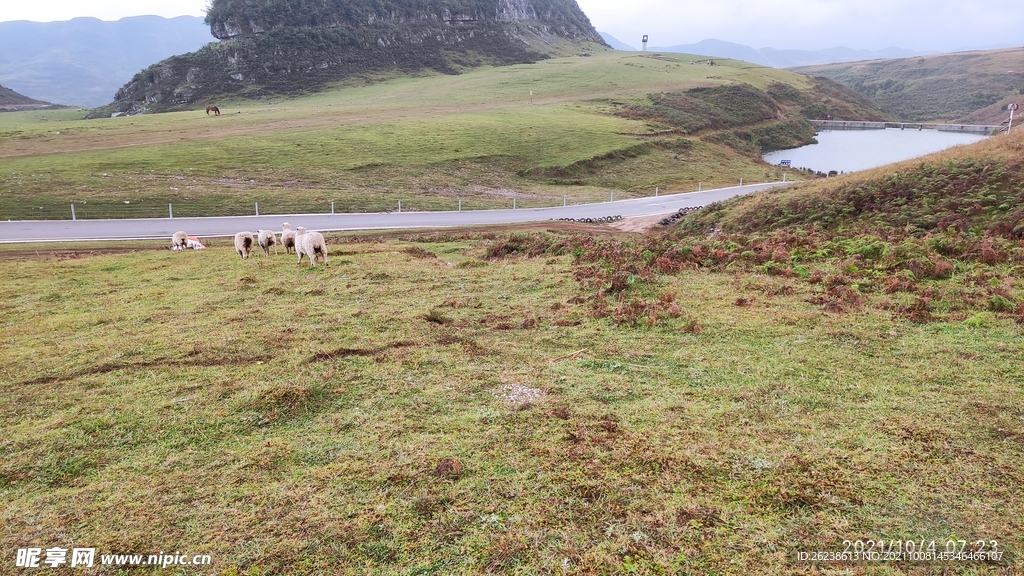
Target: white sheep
pixel 266 240
pixel 179 240
pixel 310 244
pixel 243 244
pixel 288 238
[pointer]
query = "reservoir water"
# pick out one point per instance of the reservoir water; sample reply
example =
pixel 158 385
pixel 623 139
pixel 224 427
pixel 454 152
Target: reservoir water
pixel 852 150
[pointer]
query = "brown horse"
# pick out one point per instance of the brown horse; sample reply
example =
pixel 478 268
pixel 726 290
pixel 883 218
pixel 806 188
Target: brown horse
pixel 213 109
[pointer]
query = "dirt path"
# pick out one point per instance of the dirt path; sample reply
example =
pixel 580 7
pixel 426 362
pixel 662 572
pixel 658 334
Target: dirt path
pixel 641 224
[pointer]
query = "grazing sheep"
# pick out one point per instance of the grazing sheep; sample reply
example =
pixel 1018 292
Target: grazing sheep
pixel 310 244
pixel 243 244
pixel 288 238
pixel 179 241
pixel 266 240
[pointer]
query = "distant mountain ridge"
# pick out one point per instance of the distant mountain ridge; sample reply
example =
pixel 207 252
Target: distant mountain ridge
pixel 772 57
pixel 616 43
pixel 84 61
pixel 12 101
pixel 10 97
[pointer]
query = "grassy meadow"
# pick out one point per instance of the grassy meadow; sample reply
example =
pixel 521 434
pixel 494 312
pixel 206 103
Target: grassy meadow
pixel 530 403
pixel 366 144
pixel 837 361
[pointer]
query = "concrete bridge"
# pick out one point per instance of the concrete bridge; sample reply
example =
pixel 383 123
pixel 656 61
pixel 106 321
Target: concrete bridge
pixel 858 125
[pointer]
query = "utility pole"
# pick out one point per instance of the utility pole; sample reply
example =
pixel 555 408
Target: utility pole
pixel 1013 108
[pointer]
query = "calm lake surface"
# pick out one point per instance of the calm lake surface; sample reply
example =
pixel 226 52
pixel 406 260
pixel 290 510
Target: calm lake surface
pixel 851 150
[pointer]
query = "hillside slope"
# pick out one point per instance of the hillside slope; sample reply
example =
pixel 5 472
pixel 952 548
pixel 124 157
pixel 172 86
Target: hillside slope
pixel 8 96
pixel 12 101
pixel 291 46
pixel 965 190
pixel 972 87
pixel 428 141
pixel 84 61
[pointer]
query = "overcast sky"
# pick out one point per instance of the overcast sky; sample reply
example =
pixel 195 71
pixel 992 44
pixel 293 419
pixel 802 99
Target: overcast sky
pixel 939 25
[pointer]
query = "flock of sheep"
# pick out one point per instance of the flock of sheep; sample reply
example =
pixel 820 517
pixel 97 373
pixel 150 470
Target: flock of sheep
pixel 310 244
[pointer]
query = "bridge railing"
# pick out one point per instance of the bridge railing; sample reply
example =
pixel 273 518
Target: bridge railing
pixel 864 125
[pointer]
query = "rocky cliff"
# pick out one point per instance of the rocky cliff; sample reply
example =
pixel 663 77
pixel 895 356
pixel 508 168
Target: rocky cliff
pixel 288 46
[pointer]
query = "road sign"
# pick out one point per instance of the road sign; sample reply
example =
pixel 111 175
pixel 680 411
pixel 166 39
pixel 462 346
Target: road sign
pixel 786 163
pixel 1014 106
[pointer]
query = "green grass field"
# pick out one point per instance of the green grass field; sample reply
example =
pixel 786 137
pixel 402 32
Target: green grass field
pixel 428 141
pixel 417 408
pixel 534 402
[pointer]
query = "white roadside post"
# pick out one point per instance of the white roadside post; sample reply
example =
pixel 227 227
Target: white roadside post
pixel 1013 108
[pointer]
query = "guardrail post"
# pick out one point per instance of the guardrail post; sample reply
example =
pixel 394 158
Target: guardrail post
pixel 73 212
pixel 460 204
pixel 399 206
pixel 513 203
pixel 741 181
pixel 699 184
pixel 783 176
pixel 565 198
pixel 332 207
pixel 257 208
pixel 170 211
pixel 655 191
pixel 612 198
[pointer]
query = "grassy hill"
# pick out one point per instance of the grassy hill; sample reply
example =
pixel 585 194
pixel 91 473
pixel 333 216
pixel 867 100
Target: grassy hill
pixel 965 190
pixel 278 47
pixel 427 140
pixel 972 87
pixel 937 239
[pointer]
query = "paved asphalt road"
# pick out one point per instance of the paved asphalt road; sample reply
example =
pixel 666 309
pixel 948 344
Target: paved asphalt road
pixel 68 230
